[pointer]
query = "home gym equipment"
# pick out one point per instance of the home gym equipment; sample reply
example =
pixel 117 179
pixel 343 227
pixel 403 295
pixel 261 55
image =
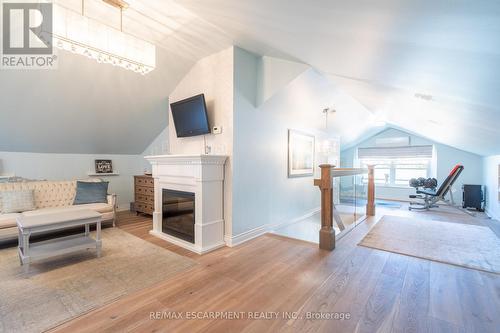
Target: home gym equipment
pixel 429 196
pixel 422 182
pixel 473 197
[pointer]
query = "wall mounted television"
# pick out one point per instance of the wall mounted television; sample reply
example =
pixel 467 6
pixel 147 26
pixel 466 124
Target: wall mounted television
pixel 190 116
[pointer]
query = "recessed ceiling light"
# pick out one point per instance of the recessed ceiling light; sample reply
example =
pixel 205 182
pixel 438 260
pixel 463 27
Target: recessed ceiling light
pixel 329 110
pixel 425 97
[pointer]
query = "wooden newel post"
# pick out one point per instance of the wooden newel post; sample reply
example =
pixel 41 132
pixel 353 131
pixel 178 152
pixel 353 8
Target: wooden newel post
pixel 327 233
pixel 370 205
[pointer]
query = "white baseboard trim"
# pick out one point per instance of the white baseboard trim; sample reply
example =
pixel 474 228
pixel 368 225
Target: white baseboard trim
pixel 186 245
pixel 233 241
pixel 307 215
pixel 492 215
pixel 392 199
pixel 122 208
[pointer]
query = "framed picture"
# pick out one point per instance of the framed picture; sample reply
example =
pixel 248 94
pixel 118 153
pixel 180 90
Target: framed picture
pixel 103 166
pixel 300 154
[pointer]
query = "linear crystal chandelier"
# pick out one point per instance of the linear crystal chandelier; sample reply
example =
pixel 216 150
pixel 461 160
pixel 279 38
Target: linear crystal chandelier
pixel 74 32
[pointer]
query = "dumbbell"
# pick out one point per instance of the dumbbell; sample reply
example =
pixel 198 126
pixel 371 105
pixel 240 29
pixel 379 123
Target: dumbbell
pixel 430 183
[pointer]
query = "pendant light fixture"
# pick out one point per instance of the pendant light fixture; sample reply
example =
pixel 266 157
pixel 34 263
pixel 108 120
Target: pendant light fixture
pixel 329 146
pixel 79 34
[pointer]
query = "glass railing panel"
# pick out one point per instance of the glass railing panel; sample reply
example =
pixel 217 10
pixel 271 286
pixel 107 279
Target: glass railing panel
pixel 344 204
pixel 349 199
pixel 361 194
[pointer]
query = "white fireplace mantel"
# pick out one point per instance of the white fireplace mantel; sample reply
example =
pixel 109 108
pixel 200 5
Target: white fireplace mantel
pixel 202 175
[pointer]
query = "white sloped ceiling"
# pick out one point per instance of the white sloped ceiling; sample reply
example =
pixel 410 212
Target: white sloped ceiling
pixel 87 107
pixel 431 67
pixel 383 53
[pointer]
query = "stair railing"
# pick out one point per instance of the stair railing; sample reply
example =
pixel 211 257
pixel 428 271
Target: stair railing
pixel 328 210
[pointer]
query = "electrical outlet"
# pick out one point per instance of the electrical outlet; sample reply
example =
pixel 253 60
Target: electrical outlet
pixel 217 130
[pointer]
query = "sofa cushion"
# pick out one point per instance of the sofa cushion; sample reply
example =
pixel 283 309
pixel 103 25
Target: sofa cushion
pixel 98 207
pixel 8 220
pixel 47 193
pixel 88 193
pixel 17 201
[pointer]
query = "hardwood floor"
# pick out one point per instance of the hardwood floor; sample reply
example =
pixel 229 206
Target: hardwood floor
pixel 378 291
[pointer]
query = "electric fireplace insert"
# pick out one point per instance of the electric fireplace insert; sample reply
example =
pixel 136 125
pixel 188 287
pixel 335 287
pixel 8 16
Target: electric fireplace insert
pixel 178 214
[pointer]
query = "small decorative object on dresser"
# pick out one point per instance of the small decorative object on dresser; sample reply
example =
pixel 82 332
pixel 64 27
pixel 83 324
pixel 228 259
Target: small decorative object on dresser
pixel 103 166
pixel 144 194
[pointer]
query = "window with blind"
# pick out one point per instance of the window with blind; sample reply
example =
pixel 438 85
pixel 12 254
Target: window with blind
pixel 395 166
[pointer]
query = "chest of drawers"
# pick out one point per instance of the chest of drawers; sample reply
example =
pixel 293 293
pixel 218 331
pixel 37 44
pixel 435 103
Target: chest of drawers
pixel 144 189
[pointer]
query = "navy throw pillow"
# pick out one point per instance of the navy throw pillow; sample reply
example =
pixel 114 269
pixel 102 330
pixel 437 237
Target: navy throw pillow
pixel 89 192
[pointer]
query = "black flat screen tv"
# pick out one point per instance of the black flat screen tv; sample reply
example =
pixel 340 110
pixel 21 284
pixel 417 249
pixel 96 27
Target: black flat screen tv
pixel 190 116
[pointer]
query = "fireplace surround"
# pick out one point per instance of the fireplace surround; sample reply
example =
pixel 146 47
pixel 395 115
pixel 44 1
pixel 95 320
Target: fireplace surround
pixel 189 198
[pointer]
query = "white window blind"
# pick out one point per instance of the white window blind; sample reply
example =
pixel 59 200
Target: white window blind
pixel 395 152
pixel 393 142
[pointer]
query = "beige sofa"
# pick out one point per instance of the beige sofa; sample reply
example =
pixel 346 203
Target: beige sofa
pixel 50 197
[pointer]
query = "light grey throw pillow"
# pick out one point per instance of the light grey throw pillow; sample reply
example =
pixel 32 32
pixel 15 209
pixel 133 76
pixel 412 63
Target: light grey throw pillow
pixel 17 201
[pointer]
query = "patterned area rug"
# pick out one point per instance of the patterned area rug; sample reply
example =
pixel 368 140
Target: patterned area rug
pixel 470 246
pixel 65 287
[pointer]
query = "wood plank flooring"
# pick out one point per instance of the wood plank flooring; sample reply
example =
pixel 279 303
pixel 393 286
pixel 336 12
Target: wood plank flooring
pixel 379 291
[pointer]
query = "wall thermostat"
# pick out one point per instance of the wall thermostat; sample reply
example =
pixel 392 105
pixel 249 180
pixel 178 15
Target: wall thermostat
pixel 217 130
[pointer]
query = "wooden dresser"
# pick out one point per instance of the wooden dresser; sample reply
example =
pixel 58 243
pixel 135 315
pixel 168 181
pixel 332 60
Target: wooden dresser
pixel 144 194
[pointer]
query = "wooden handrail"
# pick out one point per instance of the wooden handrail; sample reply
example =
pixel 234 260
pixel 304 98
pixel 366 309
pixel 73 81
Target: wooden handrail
pixel 370 204
pixel 325 184
pixel 341 172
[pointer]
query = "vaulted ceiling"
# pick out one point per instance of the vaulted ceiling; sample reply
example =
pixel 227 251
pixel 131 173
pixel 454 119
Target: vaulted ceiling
pixel 87 107
pixel 431 67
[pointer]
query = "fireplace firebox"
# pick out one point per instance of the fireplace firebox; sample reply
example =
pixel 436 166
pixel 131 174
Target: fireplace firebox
pixel 178 210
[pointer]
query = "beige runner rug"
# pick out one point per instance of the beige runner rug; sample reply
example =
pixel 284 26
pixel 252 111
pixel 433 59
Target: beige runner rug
pixel 65 287
pixel 458 244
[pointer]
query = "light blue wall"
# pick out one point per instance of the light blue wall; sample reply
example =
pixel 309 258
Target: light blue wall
pixel 445 159
pixel 159 146
pixel 262 192
pixel 85 107
pixel 55 123
pixel 491 180
pixel 75 166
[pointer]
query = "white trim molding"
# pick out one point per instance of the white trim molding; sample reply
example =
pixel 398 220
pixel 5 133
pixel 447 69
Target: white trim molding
pixel 187 159
pixel 307 215
pixel 123 207
pixel 233 241
pixel 189 246
pixel 236 240
pixel 492 215
pixel 202 175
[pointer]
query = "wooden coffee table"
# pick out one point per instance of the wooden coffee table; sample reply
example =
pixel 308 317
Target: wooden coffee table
pixel 28 225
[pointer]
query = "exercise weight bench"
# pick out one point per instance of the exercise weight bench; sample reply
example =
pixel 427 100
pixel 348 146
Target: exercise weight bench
pixel 430 198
